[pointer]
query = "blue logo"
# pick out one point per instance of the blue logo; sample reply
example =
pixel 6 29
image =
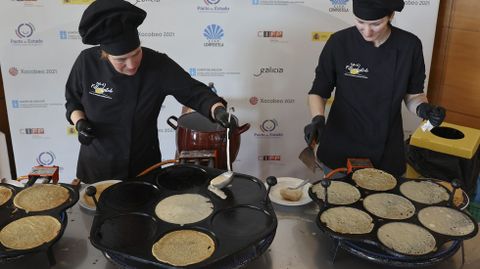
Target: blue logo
pixel 25 30
pixel 339 2
pixel 63 35
pixel 192 71
pixel 213 32
pixel 15 104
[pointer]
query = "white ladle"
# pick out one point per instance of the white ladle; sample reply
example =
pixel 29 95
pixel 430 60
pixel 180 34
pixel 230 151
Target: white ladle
pixel 225 178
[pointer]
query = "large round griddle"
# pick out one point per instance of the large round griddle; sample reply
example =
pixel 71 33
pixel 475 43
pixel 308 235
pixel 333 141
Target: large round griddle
pixel 9 213
pixel 126 226
pixel 368 245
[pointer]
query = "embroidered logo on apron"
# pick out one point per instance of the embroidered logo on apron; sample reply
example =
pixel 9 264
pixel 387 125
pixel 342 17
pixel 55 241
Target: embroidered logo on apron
pixel 356 71
pixel 100 89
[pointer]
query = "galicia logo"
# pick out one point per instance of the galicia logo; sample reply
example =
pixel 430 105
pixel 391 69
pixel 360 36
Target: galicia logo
pixel 46 158
pixel 13 71
pixel 213 32
pixel 211 2
pixel 267 70
pixel 15 104
pixel 339 6
pixel 25 30
pixel 192 71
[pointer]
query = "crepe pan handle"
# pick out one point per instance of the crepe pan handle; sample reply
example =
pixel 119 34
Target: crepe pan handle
pixel 91 191
pixel 271 181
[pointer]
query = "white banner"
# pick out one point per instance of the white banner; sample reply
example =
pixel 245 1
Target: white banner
pixel 263 65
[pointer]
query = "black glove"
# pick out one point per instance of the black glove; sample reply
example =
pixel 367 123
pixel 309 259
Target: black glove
pixel 85 131
pixel 221 115
pixel 313 131
pixel 432 113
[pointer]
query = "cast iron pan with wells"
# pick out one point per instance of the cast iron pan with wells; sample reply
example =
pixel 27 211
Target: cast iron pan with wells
pixel 10 213
pixel 125 225
pixel 368 245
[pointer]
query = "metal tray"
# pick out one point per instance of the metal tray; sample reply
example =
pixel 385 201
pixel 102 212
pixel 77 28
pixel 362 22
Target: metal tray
pixel 242 226
pixel 9 213
pixel 371 238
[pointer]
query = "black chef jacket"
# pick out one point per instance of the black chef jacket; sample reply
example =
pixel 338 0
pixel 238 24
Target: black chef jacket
pixel 124 110
pixel 365 118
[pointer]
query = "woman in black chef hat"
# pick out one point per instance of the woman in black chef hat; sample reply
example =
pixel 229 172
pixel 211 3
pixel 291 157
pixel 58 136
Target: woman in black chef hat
pixel 373 66
pixel 115 91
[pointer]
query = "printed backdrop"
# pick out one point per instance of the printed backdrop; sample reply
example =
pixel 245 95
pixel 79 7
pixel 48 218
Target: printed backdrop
pixel 260 55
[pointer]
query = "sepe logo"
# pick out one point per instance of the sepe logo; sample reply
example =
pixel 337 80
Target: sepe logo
pixel 214 34
pixel 253 100
pixel 269 158
pixel 13 71
pixel 32 131
pixel 46 158
pixel 25 30
pixel 270 34
pixel 339 6
pixel 268 70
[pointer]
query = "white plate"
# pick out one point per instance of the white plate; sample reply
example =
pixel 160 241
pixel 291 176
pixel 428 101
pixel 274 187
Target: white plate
pixel 285 182
pixel 82 201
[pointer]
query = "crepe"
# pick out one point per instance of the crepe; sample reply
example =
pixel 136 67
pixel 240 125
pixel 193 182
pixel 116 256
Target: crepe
pixel 347 220
pixel 5 195
pixel 184 208
pixel 29 232
pixel 374 179
pixel 389 206
pixel 339 193
pixel 100 188
pixel 183 247
pixel 424 192
pixel 406 238
pixel 447 221
pixel 41 197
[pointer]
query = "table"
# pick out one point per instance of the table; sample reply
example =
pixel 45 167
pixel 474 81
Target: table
pixel 298 244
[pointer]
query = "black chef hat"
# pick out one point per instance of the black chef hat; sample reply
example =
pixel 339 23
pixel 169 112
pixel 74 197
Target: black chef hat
pixel 112 24
pixel 376 9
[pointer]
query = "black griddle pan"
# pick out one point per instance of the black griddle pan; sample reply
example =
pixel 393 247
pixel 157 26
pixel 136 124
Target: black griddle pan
pixel 9 213
pixel 371 238
pixel 242 226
